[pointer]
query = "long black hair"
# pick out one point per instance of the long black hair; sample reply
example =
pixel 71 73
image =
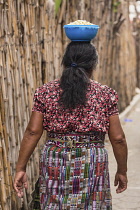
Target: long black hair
pixel 75 78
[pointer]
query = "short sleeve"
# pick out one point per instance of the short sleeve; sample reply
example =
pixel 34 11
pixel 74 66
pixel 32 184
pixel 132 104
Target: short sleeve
pixel 112 102
pixel 38 101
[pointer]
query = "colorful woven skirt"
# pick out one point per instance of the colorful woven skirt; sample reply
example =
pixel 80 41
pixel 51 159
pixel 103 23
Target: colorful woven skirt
pixel 75 178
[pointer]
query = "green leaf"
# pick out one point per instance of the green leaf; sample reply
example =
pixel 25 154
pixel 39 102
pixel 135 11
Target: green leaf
pixel 57 5
pixel 116 4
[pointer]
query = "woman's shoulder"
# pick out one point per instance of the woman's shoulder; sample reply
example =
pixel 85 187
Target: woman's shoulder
pixel 49 85
pixel 104 90
pixel 101 87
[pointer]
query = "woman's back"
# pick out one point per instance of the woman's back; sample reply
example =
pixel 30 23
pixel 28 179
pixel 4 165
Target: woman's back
pixel 93 116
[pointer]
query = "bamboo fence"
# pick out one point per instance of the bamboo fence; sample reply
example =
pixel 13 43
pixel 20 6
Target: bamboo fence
pixel 32 42
pixel 136 33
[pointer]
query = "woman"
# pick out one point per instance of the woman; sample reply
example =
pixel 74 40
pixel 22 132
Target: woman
pixel 77 112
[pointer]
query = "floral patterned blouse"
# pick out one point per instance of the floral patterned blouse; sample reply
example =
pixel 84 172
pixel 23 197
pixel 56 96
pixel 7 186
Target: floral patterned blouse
pixel 94 116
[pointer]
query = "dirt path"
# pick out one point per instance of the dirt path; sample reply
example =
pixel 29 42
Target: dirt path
pixel 130 199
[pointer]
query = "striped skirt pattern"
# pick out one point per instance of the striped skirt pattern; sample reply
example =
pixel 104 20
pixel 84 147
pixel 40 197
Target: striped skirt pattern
pixel 74 178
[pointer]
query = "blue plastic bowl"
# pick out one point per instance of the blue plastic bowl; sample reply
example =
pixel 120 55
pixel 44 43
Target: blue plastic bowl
pixel 81 32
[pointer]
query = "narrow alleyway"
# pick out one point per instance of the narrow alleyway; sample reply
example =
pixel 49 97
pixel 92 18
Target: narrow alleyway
pixel 130 199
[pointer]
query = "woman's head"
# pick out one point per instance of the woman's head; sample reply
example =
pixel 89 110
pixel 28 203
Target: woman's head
pixel 84 54
pixel 75 78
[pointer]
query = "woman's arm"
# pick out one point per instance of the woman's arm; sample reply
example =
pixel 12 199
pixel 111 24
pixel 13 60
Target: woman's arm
pixel 118 141
pixel 30 139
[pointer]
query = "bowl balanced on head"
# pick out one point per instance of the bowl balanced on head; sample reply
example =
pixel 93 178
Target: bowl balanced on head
pixel 81 30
